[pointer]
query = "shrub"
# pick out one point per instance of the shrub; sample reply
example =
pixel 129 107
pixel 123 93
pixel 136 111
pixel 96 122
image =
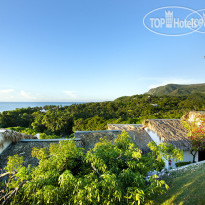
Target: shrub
pixel 180 164
pixel 24 130
pixel 71 135
pixel 45 136
pixel 30 131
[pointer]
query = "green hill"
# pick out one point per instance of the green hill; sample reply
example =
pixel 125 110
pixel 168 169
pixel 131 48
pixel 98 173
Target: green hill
pixel 176 89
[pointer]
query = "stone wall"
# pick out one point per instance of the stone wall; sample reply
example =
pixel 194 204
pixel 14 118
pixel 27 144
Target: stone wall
pixel 90 138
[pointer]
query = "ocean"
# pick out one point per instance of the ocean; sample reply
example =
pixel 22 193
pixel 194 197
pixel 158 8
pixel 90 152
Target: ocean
pixel 6 106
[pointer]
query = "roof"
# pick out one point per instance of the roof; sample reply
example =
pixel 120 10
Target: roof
pixel 22 149
pixel 14 136
pixel 138 135
pixel 170 131
pixel 90 138
pixel 25 147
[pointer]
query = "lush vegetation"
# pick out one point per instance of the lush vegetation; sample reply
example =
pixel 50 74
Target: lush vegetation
pixel 107 174
pixel 176 89
pixel 31 131
pixel 49 121
pixel 180 164
pixel 186 187
pixel 62 121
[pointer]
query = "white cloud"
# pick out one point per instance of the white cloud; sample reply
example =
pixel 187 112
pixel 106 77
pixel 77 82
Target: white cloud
pixel 70 93
pixel 27 95
pixel 5 91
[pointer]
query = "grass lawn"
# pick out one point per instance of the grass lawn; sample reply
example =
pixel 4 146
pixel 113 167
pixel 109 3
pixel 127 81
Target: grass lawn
pixel 187 187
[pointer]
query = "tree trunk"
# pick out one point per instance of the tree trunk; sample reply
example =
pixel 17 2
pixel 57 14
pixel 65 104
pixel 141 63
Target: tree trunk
pixel 193 152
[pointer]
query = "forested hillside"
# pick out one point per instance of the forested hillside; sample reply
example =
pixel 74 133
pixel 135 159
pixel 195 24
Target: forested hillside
pixel 95 116
pixel 176 89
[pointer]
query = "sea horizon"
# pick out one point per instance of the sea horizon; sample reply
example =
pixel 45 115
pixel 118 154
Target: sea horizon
pixel 9 106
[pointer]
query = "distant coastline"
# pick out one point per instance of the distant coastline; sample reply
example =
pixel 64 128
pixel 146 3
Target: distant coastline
pixel 8 106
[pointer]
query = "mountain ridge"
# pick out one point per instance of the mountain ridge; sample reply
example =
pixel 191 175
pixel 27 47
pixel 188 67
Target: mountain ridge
pixel 177 89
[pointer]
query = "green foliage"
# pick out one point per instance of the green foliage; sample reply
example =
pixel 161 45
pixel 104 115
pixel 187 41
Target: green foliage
pixel 71 135
pixel 95 116
pixel 180 164
pixel 19 117
pixel 93 123
pixel 166 150
pixel 28 131
pixel 31 131
pixel 110 173
pixel 53 121
pixel 14 164
pixel 196 134
pixel 45 136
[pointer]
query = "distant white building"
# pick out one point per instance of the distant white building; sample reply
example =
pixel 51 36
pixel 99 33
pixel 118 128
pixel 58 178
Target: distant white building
pixel 155 105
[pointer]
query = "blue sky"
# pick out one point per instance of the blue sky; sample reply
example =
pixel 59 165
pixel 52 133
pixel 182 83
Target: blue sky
pixel 88 50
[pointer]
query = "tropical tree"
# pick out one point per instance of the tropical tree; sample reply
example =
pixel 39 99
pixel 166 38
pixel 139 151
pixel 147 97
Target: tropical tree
pixel 110 173
pixel 53 122
pixel 196 135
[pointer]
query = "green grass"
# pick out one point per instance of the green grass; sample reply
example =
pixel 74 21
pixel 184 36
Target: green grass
pixel 187 187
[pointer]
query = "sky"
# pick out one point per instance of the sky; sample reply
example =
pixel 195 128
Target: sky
pixel 88 50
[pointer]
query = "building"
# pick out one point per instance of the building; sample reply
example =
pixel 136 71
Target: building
pixel 170 131
pixel 167 131
pixel 7 137
pixel 138 135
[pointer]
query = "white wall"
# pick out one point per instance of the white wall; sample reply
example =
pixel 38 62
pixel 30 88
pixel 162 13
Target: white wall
pixel 166 164
pixel 158 140
pixel 154 136
pixel 38 135
pixel 186 158
pixel 187 155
